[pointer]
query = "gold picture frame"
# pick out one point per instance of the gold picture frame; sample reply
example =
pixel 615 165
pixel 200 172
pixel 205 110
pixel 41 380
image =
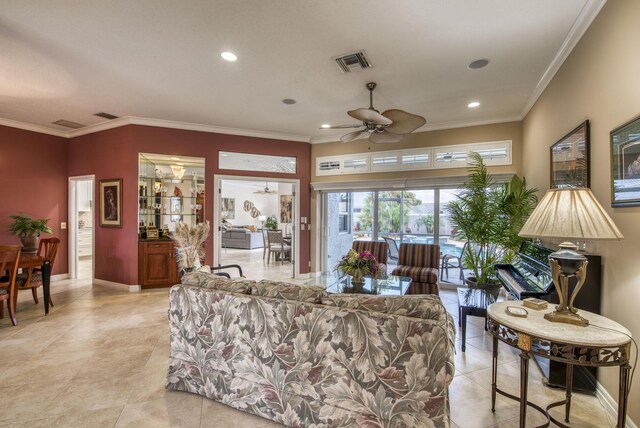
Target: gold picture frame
pixel 111 202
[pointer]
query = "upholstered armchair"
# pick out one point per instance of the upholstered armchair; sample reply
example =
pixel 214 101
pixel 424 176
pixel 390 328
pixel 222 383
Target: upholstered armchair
pixel 420 263
pixel 378 249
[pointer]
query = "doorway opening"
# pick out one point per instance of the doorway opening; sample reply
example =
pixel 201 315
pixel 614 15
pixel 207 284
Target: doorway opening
pixel 257 222
pixel 81 227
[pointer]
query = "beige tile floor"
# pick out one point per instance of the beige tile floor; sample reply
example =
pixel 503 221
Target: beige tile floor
pixel 99 359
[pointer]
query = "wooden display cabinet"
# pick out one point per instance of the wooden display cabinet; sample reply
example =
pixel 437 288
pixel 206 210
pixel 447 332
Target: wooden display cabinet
pixel 157 264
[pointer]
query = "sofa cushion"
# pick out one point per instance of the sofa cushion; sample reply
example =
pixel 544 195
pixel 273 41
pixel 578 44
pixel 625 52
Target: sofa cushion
pixel 284 290
pixel 418 274
pixel 216 282
pixel 424 307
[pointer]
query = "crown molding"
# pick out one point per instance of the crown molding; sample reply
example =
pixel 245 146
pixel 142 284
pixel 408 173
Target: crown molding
pixel 33 128
pixel 132 120
pixel 580 26
pixel 433 127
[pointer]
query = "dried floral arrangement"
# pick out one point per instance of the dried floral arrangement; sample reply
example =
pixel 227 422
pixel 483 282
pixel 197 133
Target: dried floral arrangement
pixel 190 241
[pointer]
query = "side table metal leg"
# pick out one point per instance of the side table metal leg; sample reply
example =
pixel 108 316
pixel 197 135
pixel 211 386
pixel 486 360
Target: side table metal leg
pixel 494 374
pixel 623 395
pixel 569 385
pixel 524 378
pixel 464 329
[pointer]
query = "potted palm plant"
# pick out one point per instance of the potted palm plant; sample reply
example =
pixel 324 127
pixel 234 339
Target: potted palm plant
pixel 489 216
pixel 29 231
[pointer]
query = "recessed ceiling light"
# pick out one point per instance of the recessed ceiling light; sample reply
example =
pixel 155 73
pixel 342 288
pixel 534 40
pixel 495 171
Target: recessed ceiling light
pixel 325 126
pixel 478 63
pixel 229 56
pixel 473 104
pixel 289 101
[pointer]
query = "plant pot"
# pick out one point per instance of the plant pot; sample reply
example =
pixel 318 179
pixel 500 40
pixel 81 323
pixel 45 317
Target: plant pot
pixel 492 288
pixel 30 243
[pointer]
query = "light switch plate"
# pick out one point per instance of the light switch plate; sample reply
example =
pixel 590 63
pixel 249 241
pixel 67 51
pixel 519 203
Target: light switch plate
pixel 303 220
pixel 63 225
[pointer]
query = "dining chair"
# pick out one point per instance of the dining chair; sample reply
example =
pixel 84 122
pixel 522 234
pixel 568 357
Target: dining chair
pixel 277 246
pixel 8 253
pixel 48 248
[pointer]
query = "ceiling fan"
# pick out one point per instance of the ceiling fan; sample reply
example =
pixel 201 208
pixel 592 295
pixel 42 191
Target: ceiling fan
pixel 266 190
pixel 390 126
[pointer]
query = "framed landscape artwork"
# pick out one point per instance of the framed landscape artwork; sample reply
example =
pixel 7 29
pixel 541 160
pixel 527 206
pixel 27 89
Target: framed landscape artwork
pixel 570 159
pixel 111 202
pixel 625 164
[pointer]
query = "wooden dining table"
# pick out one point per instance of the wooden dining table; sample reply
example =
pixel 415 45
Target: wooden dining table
pixel 32 260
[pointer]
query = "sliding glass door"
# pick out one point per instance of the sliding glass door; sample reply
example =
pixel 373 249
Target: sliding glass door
pixel 406 216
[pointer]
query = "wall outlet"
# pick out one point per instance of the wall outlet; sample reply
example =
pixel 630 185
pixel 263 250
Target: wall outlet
pixel 63 225
pixel 303 220
pixel 302 226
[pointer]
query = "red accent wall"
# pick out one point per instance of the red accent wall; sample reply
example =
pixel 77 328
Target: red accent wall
pixel 114 154
pixel 34 167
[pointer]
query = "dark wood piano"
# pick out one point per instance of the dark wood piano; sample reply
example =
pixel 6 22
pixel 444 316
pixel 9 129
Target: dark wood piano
pixel 530 276
pixel 530 273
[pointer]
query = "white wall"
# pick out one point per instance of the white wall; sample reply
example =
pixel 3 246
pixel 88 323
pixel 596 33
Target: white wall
pixel 267 204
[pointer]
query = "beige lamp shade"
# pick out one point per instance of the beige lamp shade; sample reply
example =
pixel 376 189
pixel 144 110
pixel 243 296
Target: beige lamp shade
pixel 573 214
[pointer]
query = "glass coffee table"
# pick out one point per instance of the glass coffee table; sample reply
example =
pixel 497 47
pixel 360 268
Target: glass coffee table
pixel 391 285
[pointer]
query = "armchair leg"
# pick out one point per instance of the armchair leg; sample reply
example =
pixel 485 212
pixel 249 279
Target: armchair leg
pixel 34 291
pixel 1 309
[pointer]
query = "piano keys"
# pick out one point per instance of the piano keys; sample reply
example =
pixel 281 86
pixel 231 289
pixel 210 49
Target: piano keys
pixel 530 273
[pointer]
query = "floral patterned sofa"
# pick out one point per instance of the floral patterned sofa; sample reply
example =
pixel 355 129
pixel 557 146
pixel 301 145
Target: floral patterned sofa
pixel 298 356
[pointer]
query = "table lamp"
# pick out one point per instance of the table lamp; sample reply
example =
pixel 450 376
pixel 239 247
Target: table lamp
pixel 262 218
pixel 572 214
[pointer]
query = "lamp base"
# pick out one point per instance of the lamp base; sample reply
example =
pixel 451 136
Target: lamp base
pixel 566 317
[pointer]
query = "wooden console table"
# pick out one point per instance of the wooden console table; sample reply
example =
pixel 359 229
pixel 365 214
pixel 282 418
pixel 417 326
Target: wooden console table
pixel 603 343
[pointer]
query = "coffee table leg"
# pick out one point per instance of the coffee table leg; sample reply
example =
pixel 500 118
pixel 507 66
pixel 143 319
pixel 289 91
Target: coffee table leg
pixel 569 385
pixel 46 281
pixel 494 374
pixel 524 378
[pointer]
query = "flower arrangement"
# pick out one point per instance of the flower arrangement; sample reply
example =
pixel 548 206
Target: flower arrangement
pixel 190 241
pixel 359 265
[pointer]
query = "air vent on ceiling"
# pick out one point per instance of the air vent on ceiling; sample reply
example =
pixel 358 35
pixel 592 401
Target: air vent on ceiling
pixel 106 115
pixel 68 124
pixel 352 61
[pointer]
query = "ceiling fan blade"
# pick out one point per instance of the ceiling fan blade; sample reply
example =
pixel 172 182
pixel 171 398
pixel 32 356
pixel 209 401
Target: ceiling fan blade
pixel 385 137
pixel 368 115
pixel 346 138
pixel 342 126
pixel 403 122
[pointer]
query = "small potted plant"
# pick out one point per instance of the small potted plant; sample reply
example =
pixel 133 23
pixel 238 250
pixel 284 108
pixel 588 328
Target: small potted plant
pixel 29 231
pixel 271 223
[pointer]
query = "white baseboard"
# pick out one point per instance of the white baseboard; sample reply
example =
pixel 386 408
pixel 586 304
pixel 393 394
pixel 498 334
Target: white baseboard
pixel 117 285
pixel 611 405
pixel 59 277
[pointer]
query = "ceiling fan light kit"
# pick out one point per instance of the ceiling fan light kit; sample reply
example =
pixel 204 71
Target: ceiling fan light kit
pixel 387 127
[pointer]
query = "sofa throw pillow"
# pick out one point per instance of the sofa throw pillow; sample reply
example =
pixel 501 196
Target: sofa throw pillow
pixel 251 228
pixel 287 291
pixel 216 282
pixel 428 306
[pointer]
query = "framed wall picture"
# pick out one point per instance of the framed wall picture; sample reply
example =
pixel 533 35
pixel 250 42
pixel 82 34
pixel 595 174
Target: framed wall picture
pixel 285 208
pixel 570 159
pixel 111 202
pixel 625 164
pixel 229 208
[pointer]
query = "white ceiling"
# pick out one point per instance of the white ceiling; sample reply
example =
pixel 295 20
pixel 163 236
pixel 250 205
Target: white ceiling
pixel 160 59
